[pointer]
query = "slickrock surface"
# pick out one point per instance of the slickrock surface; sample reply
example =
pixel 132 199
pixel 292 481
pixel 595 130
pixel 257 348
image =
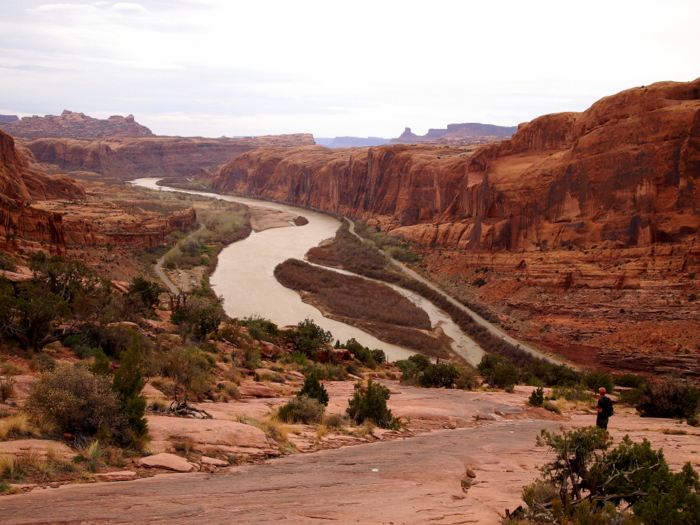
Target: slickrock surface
pixel 36 447
pixel 416 481
pixel 226 436
pixel 413 478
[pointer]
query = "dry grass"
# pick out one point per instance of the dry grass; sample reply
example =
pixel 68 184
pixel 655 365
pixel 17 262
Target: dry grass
pixel 17 427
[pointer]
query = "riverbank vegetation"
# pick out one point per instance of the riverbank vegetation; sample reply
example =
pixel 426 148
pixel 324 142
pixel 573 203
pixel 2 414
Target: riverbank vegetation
pixel 347 252
pixel 371 306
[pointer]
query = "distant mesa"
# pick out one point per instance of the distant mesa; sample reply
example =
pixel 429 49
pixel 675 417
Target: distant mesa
pixel 350 142
pixel 73 125
pixel 5 119
pixel 454 135
pixel 458 135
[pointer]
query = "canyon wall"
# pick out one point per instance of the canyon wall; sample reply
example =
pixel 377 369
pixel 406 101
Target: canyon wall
pixel 129 158
pixel 29 223
pixel 624 172
pixel 21 225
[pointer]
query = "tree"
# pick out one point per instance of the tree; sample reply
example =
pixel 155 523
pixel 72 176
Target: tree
pixel 314 389
pixel 147 291
pixel 370 403
pixel 309 337
pixel 587 482
pixel 128 382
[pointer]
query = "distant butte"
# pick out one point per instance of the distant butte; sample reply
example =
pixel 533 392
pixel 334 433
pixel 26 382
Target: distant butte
pixel 74 125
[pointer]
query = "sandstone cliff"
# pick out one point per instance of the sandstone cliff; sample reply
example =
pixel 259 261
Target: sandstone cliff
pixel 33 205
pixel 74 125
pixel 128 158
pixel 624 172
pixel 21 225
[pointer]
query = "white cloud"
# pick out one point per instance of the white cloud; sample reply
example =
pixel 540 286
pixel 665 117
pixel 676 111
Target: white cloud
pixel 362 68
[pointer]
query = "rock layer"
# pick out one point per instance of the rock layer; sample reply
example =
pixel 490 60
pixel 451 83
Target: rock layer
pixel 128 158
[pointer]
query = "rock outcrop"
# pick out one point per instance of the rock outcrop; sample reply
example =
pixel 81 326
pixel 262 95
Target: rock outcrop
pixel 21 224
pixel 74 125
pixel 128 158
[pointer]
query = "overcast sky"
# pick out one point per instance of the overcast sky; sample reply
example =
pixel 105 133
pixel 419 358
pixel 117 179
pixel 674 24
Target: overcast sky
pixel 254 67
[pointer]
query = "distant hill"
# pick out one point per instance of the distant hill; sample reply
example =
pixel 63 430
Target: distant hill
pixel 4 119
pixel 350 142
pixel 471 133
pixel 74 126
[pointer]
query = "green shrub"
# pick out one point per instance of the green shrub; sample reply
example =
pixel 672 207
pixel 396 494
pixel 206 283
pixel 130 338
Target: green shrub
pixel 77 402
pixel 261 329
pixel 467 379
pixel 410 373
pixel 308 338
pixel 314 389
pixel 101 364
pixel 596 380
pixel 537 397
pixel 128 382
pixel 370 403
pixel 422 362
pixel 672 397
pixel 630 380
pixel 302 409
pixel 588 484
pixel 504 375
pixel 439 375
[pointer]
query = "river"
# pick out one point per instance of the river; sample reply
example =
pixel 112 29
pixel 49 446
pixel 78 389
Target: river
pixel 244 278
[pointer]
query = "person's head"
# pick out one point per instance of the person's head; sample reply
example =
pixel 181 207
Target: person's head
pixel 601 391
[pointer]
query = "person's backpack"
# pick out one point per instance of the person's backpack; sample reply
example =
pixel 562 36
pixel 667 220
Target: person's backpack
pixel 608 409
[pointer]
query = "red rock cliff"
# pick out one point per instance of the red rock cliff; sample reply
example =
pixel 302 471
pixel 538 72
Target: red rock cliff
pixel 624 172
pixel 128 158
pixel 21 225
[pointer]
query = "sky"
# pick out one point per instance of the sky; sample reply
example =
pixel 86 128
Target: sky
pixel 363 68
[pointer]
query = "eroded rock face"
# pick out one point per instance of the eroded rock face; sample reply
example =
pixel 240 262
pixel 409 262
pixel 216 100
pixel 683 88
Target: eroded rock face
pixel 74 125
pixel 128 158
pixel 22 225
pixel 624 172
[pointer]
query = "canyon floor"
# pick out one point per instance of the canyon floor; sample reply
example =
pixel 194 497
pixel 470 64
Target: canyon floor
pixel 415 476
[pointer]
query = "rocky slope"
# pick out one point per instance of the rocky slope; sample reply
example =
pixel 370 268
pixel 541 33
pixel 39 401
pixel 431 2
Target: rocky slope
pixel 128 158
pixel 74 125
pixel 574 208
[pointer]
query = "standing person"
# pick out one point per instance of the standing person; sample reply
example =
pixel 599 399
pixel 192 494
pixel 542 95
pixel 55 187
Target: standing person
pixel 605 409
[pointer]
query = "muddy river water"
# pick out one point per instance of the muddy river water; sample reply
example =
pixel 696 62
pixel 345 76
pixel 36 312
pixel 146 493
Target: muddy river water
pixel 244 278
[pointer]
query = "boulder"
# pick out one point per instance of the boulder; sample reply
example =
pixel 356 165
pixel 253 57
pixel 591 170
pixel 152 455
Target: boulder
pixel 228 436
pixel 120 475
pixel 256 390
pixel 166 461
pixel 206 460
